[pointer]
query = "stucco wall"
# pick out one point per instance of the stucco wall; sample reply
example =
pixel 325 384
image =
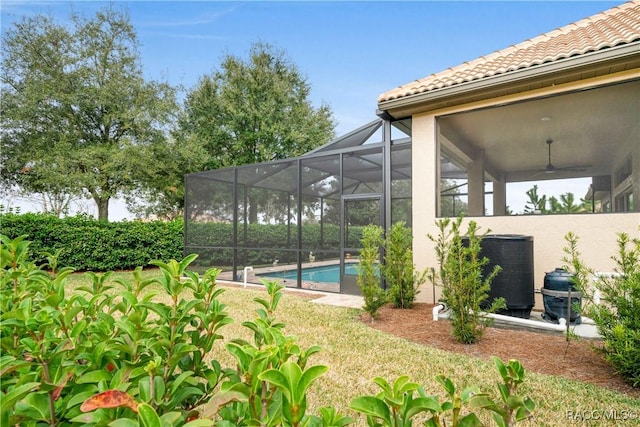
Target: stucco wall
pixel 597 240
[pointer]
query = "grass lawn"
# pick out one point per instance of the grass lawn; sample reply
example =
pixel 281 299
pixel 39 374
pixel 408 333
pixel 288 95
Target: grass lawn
pixel 356 353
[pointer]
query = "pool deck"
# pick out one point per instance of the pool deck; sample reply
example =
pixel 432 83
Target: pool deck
pixel 341 300
pixel 253 275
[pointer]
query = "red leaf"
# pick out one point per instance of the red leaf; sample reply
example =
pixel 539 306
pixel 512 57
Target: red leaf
pixel 58 390
pixel 56 393
pixel 109 399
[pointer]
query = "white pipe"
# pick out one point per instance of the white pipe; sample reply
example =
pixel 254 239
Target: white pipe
pixel 598 276
pixel 586 320
pixel 560 326
pixel 244 275
pixel 437 309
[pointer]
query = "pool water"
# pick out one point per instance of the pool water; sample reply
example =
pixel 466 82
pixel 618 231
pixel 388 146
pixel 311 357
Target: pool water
pixel 324 273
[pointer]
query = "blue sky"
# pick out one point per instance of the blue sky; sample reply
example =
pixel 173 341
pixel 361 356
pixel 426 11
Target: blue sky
pixel 349 51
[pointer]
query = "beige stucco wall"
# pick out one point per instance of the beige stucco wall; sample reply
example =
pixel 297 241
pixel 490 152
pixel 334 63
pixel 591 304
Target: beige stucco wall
pixel 597 240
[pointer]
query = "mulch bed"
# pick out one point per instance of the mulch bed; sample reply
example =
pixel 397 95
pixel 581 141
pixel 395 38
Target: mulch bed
pixel 537 351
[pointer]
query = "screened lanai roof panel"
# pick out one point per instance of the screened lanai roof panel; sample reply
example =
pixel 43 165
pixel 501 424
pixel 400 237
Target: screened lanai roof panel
pixel 260 174
pixel 352 139
pixel 222 175
pixel 321 175
pixel 320 169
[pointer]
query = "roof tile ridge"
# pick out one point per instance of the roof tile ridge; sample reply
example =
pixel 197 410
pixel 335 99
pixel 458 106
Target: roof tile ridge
pixel 563 30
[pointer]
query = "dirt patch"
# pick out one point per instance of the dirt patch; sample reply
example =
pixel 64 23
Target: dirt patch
pixel 538 352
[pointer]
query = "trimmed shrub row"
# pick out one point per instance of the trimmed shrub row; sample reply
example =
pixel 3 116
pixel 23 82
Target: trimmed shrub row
pixel 268 235
pixel 88 244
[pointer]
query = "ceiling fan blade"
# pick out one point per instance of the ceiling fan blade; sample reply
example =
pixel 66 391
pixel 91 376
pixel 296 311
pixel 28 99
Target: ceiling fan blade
pixel 556 173
pixel 551 168
pixel 579 168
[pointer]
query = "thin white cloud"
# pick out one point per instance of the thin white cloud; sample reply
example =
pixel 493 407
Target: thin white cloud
pixel 28 8
pixel 187 36
pixel 201 19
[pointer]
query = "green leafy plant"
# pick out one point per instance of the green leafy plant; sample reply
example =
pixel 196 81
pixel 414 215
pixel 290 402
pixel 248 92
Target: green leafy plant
pixel 398 270
pixel 398 404
pixel 112 353
pixel 617 317
pixel 369 279
pixel 59 349
pixel 513 407
pixel 403 280
pixel 293 382
pixel 460 274
pixel 330 418
pixel 270 382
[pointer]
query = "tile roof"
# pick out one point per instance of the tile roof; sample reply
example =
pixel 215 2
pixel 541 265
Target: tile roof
pixel 614 27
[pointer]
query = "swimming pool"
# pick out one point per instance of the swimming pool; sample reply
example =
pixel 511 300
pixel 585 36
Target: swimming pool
pixel 324 273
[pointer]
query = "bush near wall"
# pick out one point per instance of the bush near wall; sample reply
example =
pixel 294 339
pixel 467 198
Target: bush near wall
pixel 88 244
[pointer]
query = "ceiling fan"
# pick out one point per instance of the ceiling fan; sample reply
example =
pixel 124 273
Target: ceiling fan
pixel 551 168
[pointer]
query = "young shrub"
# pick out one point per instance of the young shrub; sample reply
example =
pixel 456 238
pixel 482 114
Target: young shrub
pixel 399 271
pixel 460 274
pixel 398 404
pixel 111 353
pixel 368 270
pixel 269 386
pixel 618 316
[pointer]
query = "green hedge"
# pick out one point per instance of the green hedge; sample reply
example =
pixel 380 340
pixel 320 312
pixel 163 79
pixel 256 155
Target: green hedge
pixel 89 244
pixel 268 235
pixel 264 242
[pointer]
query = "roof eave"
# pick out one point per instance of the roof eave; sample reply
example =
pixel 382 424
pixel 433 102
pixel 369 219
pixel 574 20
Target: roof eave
pixel 404 106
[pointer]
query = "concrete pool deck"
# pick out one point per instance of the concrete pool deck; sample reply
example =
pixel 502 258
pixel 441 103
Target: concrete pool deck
pixel 341 300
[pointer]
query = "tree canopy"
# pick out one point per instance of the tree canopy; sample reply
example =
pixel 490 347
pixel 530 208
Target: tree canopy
pixel 565 204
pixel 255 110
pixel 78 118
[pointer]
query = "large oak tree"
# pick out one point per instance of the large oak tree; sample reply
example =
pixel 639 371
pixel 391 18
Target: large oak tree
pixel 254 110
pixel 78 117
